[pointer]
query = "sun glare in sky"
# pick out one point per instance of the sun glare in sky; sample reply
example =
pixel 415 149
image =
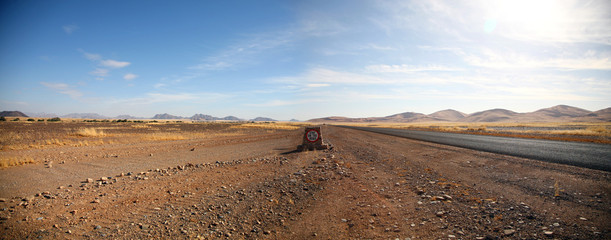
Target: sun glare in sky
pixel 302 59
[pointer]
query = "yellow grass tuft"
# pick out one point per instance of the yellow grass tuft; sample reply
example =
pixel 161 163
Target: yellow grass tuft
pixel 143 125
pixel 90 132
pixel 275 126
pixel 14 161
pixel 163 136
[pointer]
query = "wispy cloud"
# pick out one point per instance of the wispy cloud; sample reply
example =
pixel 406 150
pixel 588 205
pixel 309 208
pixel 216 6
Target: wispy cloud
pixel 153 98
pixel 543 22
pixel 404 68
pixel 91 56
pixel 63 89
pixel 280 103
pixel 104 64
pixel 100 72
pixel 488 58
pixel 247 52
pixel 69 29
pixel 130 76
pixel 114 64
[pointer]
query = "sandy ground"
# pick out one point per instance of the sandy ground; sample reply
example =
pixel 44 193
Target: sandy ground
pixel 368 186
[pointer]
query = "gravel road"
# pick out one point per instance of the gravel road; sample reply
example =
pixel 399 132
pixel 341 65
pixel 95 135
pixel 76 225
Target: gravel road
pixel 589 155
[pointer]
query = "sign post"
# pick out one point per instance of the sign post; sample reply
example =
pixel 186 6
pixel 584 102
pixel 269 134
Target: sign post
pixel 312 140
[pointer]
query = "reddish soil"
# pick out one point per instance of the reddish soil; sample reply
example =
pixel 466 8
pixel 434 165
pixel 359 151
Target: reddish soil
pixel 368 186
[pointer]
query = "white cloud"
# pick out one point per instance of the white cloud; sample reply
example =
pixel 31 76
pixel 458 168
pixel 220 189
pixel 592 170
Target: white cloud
pixel 280 103
pixel 106 63
pixel 247 52
pixel 69 29
pixel 113 63
pixel 63 89
pixel 317 85
pixel 152 98
pixel 130 76
pixel 512 60
pixel 100 72
pixel 543 21
pixel 92 57
pixel 404 68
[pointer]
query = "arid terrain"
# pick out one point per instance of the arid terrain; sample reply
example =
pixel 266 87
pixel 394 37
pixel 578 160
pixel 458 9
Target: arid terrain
pixel 245 181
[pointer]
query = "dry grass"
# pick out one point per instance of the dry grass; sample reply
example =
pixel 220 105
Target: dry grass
pixel 273 125
pixel 89 132
pixel 14 161
pixel 591 129
pixel 162 136
pixel 14 136
pixel 139 126
pixel 598 132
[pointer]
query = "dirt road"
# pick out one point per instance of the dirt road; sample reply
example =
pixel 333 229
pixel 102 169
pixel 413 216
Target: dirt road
pixel 369 186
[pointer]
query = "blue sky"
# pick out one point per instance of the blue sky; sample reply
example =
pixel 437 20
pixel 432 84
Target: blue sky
pixel 302 59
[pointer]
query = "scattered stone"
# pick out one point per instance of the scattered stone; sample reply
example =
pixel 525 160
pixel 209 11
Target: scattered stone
pixel 508 232
pixel 556 224
pixel 89 180
pixel 439 214
pixel 97 227
pixel 583 219
pixel 548 233
pixel 2 199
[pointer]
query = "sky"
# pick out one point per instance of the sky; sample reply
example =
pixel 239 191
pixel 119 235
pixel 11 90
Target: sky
pixel 302 59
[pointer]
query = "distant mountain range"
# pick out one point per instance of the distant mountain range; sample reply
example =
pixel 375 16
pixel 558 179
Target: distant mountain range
pixel 560 113
pixel 163 116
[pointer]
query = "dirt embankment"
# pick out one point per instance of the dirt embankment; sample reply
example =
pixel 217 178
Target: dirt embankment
pixel 369 186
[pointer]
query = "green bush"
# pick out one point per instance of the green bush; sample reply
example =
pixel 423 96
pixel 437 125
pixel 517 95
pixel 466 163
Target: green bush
pixel 41 120
pixel 55 119
pixel 16 120
pixel 31 120
pixel 2 119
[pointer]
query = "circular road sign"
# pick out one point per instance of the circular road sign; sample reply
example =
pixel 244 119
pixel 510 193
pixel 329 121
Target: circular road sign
pixel 312 135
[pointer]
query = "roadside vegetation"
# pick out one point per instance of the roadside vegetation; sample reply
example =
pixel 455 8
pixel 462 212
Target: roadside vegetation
pixel 50 133
pixel 14 161
pixel 567 131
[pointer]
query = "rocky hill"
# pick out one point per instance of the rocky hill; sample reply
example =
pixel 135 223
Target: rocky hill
pixel 12 114
pixel 263 119
pixel 560 113
pixel 166 116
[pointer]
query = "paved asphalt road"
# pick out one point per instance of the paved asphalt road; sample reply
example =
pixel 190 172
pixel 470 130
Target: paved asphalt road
pixel 589 155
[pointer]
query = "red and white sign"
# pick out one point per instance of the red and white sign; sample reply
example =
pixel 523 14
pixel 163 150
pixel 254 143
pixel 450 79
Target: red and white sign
pixel 312 135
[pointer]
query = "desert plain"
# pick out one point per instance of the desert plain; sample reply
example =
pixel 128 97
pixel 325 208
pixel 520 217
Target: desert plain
pixel 221 180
